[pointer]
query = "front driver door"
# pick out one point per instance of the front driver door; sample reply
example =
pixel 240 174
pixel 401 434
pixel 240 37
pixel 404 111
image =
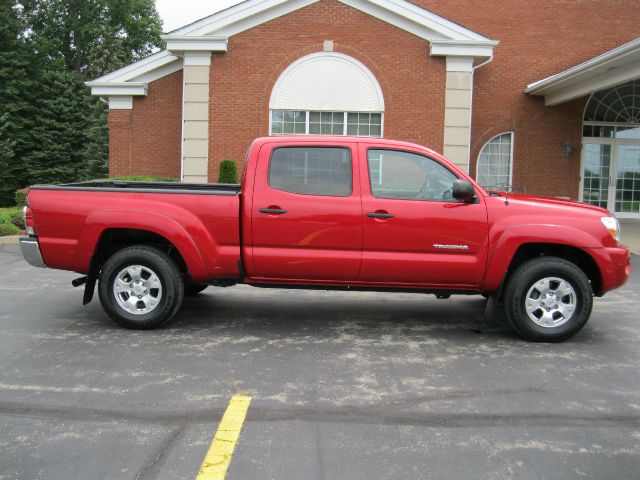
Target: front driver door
pixel 415 232
pixel 306 214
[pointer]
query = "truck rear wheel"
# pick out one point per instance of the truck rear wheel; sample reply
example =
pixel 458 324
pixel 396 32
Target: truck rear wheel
pixel 141 287
pixel 548 299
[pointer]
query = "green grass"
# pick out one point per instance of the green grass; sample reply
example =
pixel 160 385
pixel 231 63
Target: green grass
pixel 11 221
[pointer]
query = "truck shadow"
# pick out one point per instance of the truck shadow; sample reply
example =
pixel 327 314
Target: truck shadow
pixel 297 312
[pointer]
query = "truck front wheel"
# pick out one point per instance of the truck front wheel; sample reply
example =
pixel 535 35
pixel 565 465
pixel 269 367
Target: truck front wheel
pixel 141 287
pixel 548 299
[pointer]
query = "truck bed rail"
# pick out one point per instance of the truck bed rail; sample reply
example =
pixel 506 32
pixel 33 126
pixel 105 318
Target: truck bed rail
pixel 148 187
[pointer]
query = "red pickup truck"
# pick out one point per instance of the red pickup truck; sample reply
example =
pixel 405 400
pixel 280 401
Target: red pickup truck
pixel 331 213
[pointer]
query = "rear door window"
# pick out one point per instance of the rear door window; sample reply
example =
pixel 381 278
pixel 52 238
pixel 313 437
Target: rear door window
pixel 311 170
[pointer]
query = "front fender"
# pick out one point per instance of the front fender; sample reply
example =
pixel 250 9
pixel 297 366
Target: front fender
pixel 505 244
pixel 97 222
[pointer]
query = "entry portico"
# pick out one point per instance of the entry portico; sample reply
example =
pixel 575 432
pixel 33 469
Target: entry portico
pixel 610 159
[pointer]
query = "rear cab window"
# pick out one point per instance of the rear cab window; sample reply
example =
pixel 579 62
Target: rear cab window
pixel 312 170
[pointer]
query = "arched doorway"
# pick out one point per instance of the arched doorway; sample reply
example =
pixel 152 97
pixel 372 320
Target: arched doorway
pixel 611 150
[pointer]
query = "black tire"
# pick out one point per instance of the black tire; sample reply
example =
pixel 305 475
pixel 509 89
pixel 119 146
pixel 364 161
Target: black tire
pixel 546 274
pixel 193 289
pixel 168 296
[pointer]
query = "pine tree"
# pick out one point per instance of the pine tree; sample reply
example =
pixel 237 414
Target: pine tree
pixel 17 85
pixel 6 158
pixel 60 126
pixel 96 149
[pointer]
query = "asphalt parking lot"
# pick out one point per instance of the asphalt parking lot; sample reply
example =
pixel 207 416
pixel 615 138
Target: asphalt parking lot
pixel 344 386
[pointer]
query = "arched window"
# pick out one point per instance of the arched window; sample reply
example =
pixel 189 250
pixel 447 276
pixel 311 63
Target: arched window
pixel 327 93
pixel 620 104
pixel 495 162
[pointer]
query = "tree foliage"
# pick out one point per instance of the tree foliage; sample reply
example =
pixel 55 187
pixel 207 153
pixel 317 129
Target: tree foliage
pixel 93 36
pixel 51 128
pixel 17 83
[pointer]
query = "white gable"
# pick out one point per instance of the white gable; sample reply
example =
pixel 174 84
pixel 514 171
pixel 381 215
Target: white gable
pixel 211 33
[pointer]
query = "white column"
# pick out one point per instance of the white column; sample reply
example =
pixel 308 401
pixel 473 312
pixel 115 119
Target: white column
pixel 195 116
pixel 457 110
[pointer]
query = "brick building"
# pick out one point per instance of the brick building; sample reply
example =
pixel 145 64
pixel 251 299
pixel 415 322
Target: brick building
pixel 541 96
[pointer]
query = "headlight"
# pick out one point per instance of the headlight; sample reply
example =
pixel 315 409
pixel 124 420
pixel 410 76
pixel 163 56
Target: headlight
pixel 612 226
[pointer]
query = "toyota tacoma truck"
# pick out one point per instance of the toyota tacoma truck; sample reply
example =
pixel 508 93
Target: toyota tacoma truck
pixel 330 212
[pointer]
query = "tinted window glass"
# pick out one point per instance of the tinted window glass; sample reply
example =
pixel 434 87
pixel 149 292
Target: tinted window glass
pixel 311 170
pixel 408 176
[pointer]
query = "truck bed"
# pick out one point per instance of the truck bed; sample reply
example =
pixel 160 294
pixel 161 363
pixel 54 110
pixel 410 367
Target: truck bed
pixel 201 220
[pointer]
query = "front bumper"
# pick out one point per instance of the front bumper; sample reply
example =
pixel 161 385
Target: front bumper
pixel 31 251
pixel 614 264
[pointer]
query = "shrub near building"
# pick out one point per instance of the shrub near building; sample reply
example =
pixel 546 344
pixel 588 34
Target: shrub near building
pixel 11 221
pixel 228 172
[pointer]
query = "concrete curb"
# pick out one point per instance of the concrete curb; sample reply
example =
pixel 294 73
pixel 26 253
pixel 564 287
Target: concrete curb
pixel 9 239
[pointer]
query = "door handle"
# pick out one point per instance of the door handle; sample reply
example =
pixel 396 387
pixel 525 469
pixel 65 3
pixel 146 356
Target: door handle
pixel 380 215
pixel 272 211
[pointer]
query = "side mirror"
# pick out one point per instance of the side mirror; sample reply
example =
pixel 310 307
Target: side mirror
pixel 463 190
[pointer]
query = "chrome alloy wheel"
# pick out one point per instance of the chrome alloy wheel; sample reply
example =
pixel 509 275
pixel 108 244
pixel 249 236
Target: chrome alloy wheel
pixel 550 302
pixel 137 289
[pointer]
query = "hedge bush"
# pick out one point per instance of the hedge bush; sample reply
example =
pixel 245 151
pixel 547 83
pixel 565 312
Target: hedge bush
pixel 8 229
pixel 21 197
pixel 11 221
pixel 228 172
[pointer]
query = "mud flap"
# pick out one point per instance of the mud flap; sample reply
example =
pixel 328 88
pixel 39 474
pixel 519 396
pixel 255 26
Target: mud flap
pixel 92 277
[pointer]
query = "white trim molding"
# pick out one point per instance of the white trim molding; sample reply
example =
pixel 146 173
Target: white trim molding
pixel 241 17
pixel 118 88
pixel 136 69
pixel 478 51
pixel 617 66
pixel 122 102
pixel 327 81
pixel 177 44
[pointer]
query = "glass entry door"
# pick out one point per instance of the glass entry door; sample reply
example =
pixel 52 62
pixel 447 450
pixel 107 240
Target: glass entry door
pixel 627 195
pixel 611 176
pixel 596 167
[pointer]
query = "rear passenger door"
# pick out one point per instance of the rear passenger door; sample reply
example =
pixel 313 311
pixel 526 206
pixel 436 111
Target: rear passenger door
pixel 306 213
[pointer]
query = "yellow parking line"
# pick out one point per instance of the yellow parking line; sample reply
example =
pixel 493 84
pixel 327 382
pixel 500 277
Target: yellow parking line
pixel 216 462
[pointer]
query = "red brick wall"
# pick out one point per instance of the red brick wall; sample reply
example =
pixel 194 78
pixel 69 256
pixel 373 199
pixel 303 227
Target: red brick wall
pixel 412 82
pixel 538 38
pixel 119 142
pixel 146 140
